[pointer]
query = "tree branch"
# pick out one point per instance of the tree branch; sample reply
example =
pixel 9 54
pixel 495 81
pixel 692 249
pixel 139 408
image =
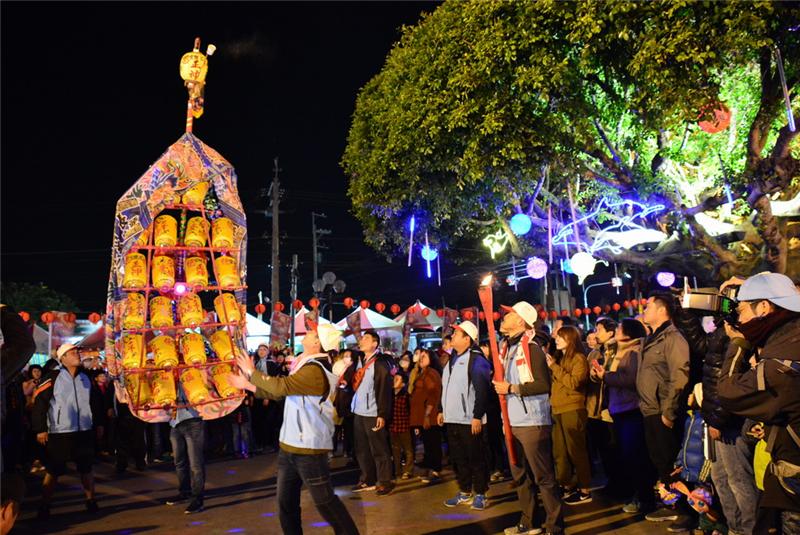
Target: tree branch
pixel 783 144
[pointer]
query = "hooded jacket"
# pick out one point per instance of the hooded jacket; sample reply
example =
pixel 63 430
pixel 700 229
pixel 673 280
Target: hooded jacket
pixel 663 372
pixel 620 377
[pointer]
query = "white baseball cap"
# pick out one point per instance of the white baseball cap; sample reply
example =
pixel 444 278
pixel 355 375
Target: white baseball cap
pixel 329 336
pixel 525 311
pixel 774 287
pixel 469 328
pixel 63 348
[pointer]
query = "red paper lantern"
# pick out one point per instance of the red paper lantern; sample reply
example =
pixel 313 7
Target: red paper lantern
pixel 25 316
pixel 565 312
pixel 538 307
pixel 634 303
pixel 626 304
pixel 380 307
pixel 587 311
pixel 297 304
pixel 468 315
pixel 607 309
pixel 48 317
pixel 578 312
pixel 553 314
pixel 395 308
pixel 278 306
pixel 715 117
pixel 597 310
pixel 348 302
pixel 440 312
pixel 261 308
pixel 426 312
pixel 495 316
pixel 542 314
pixel 364 303
pixel 94 317
pixel 313 302
pixel 71 317
pixel 616 307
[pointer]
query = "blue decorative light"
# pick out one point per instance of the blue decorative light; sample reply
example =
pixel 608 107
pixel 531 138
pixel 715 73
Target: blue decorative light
pixel 520 224
pixel 429 253
pixel 565 266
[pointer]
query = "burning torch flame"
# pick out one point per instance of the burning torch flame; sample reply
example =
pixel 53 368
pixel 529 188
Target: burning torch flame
pixel 487 280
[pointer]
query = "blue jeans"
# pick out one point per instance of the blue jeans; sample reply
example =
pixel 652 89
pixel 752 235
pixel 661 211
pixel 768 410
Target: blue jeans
pixel 241 437
pixel 294 471
pixel 188 441
pixel 732 473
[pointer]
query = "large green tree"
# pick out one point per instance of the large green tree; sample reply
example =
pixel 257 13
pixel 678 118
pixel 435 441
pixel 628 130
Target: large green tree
pixel 489 108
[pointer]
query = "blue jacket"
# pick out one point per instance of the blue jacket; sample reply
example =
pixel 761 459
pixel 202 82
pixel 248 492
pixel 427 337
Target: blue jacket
pixel 66 404
pixel 467 397
pixel 691 458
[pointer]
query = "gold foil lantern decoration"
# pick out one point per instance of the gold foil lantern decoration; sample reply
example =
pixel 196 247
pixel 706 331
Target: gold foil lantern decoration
pixel 226 271
pixel 135 271
pixel 193 348
pixel 165 233
pixel 196 232
pixel 195 195
pixel 193 386
pixel 132 354
pixel 164 351
pixel 163 388
pixel 222 232
pixel 133 317
pixel 222 344
pixel 138 388
pixel 227 308
pixel 194 68
pixel 219 376
pixel 196 271
pixel 163 272
pixel 190 310
pixel 161 312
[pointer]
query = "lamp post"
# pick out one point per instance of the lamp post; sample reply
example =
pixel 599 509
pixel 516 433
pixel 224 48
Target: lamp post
pixel 586 302
pixel 486 298
pixel 327 286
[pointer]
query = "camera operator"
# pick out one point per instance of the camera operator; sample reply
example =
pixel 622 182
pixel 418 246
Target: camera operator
pixel 768 328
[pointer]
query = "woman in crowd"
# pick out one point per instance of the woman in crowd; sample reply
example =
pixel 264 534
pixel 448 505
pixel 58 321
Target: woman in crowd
pixel 425 388
pixel 568 400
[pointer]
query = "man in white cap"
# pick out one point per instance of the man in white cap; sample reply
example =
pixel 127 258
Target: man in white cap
pixel 768 330
pixel 466 383
pixel 67 407
pixel 306 435
pixel 526 385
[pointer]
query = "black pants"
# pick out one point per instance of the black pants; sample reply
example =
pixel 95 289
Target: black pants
pixel 432 444
pixel 373 451
pixel 637 471
pixel 602 446
pixel 468 454
pixel 129 438
pixel 663 444
pixel 497 458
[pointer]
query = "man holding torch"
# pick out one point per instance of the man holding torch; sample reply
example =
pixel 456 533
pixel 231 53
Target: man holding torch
pixel 526 387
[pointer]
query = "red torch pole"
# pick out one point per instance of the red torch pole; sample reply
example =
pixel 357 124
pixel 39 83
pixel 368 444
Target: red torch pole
pixel 485 295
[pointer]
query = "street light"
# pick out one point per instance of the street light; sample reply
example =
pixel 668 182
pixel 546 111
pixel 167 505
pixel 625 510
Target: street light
pixel 585 300
pixel 328 285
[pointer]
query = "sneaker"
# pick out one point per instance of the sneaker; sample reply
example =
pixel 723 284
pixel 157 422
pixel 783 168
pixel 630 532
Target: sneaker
pixel 195 506
pixel 685 523
pixel 578 497
pixel 479 502
pixel 631 507
pixel 361 487
pixel 662 514
pixel 566 493
pixel 44 512
pixel 405 475
pixel 180 498
pixel 384 490
pixel 462 498
pixel 522 530
pixel 496 476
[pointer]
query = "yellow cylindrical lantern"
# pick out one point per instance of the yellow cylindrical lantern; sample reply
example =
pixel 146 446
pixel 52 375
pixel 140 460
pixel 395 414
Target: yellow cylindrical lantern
pixel 226 271
pixel 165 233
pixel 164 351
pixel 196 232
pixel 222 232
pixel 135 271
pixel 133 318
pixel 219 376
pixel 222 344
pixel 193 348
pixel 138 388
pixel 132 354
pixel 196 271
pixel 193 386
pixel 161 312
pixel 190 310
pixel 163 271
pixel 227 308
pixel 196 194
pixel 163 388
pixel 144 237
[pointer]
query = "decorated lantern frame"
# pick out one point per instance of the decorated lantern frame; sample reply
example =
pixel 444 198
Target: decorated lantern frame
pixel 177 289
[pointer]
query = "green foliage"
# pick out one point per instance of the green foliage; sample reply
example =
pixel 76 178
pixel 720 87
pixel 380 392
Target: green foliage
pixel 483 99
pixel 35 298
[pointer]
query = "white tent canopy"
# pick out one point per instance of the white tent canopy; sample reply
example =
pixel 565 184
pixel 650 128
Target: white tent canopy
pixel 431 321
pixel 370 320
pixel 300 321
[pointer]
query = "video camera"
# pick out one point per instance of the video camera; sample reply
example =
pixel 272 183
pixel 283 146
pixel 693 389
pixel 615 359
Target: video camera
pixel 721 305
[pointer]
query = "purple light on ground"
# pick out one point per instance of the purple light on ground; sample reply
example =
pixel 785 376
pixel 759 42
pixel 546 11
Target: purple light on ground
pixel 125 532
pixel 320 525
pixel 368 504
pixel 230 472
pixel 197 523
pixel 455 516
pixel 267 514
pixel 235 530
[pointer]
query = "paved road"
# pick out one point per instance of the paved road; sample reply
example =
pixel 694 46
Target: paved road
pixel 241 499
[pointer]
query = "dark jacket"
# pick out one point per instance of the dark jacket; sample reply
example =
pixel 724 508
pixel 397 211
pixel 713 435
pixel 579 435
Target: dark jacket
pixel 620 377
pixel 663 373
pixel 690 325
pixel 384 385
pixel 691 458
pixel 769 393
pixel 713 413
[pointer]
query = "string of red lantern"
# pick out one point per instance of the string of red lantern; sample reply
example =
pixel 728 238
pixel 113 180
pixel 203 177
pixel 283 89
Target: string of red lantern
pixel 261 308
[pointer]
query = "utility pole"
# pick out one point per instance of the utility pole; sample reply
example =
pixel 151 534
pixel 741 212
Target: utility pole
pixel 293 297
pixel 315 233
pixel 275 189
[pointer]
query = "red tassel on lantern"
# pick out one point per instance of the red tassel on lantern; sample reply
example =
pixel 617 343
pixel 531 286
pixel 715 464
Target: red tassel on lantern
pixel 578 312
pixel 440 312
pixel 25 316
pixel 364 303
pixel 395 309
pixel 616 307
pixel 261 308
pixel 313 302
pixel 297 304
pixel 380 307
pixel 597 310
pixel 348 302
pixel 94 317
